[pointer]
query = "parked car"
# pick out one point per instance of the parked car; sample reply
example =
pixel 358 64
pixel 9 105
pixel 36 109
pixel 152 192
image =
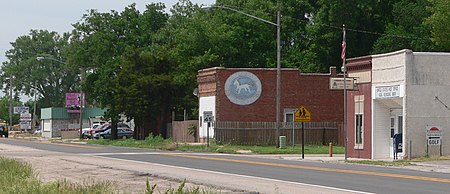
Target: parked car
pixel 86 130
pixel 105 127
pixel 3 131
pixel 122 133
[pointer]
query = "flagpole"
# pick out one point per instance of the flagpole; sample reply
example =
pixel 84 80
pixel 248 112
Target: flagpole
pixel 344 70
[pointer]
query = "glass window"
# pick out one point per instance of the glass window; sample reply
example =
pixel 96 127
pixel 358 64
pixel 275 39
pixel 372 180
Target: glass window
pixel 392 127
pixel 359 121
pixel 359 128
pixel 289 117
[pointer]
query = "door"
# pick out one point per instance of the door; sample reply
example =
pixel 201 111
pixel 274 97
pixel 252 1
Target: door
pixel 396 126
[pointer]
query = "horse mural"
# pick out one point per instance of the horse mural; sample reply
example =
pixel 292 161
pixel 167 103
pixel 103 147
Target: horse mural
pixel 239 87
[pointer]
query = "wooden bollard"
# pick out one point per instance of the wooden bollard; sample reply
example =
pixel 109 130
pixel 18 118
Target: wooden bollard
pixel 330 150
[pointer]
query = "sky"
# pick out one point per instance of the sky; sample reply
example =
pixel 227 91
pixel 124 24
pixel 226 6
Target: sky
pixel 18 17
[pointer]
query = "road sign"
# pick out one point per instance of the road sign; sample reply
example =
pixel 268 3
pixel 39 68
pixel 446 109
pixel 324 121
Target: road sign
pixel 208 116
pixel 434 135
pixel 25 117
pixel 302 115
pixel 338 83
pixel 21 109
pixel 434 141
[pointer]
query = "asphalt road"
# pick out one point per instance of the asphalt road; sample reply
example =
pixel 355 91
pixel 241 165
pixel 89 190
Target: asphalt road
pixel 351 177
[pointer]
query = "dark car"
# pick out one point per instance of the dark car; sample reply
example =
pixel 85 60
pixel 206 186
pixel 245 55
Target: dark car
pixel 3 131
pixel 122 133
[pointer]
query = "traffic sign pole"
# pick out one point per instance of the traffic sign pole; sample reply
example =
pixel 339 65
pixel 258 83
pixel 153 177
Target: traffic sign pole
pixel 293 131
pixel 303 141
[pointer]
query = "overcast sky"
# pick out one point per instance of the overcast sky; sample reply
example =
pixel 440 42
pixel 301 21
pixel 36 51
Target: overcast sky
pixel 18 17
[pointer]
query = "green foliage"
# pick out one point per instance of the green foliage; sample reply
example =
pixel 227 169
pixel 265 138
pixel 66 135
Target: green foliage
pixel 4 109
pixel 49 78
pixel 192 130
pixel 406 29
pixel 18 177
pixel 439 20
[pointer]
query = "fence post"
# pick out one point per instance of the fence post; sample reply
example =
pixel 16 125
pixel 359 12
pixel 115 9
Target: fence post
pixel 330 150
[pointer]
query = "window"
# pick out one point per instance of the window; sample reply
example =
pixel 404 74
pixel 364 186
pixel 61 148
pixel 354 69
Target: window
pixel 359 121
pixel 392 127
pixel 289 117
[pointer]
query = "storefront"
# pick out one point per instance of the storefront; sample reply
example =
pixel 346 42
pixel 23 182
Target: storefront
pixel 399 95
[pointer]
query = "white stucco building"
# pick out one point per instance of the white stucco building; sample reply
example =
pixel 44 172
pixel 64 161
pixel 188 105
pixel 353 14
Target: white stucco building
pixel 400 92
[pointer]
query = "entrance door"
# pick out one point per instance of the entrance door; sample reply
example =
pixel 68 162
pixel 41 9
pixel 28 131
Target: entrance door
pixel 396 126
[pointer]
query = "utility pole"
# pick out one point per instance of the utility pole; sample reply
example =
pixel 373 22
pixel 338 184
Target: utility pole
pixel 10 103
pixel 81 103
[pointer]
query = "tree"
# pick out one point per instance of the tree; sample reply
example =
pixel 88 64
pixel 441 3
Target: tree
pixel 325 31
pixel 406 29
pixel 440 23
pixel 49 78
pixel 4 109
pixel 101 43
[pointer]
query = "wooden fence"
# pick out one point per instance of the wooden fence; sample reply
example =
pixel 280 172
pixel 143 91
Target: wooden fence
pixel 178 131
pixel 264 133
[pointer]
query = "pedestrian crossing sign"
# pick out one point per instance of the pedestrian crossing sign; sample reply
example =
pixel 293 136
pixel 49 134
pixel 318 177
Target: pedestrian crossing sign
pixel 302 115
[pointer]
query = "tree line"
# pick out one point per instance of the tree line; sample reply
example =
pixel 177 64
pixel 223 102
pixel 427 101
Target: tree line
pixel 143 64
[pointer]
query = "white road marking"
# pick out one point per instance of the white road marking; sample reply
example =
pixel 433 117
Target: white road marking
pixel 221 173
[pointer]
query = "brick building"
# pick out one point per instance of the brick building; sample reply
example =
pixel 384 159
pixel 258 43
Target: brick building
pixel 249 95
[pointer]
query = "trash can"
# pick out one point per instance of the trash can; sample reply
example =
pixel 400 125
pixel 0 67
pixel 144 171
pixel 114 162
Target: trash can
pixel 282 141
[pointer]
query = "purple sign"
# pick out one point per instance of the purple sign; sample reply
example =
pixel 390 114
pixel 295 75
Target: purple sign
pixel 73 102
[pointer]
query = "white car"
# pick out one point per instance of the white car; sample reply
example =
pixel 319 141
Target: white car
pixel 85 130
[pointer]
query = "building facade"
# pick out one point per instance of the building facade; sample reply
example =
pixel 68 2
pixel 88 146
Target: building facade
pixel 249 95
pixel 403 92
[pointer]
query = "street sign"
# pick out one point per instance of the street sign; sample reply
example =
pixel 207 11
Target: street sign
pixel 208 116
pixel 21 109
pixel 338 83
pixel 434 135
pixel 25 125
pixel 25 117
pixel 434 141
pixel 302 115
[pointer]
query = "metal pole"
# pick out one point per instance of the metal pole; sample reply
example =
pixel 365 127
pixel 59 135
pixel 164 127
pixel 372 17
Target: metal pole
pixel 303 141
pixel 207 134
pixel 293 131
pixel 278 78
pixel 81 103
pixel 34 112
pixel 345 99
pixel 10 104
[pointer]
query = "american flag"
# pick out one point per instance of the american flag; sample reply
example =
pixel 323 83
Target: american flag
pixel 344 46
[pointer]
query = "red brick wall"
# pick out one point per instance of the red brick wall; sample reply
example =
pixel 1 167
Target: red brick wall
pixel 366 152
pixel 309 90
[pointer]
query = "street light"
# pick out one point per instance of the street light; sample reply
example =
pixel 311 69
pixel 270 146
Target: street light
pixel 81 91
pixel 278 25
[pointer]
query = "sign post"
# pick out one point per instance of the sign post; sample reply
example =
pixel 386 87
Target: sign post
pixel 434 137
pixel 302 115
pixel 208 118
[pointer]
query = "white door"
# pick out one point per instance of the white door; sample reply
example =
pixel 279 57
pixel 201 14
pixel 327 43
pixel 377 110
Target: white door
pixel 396 126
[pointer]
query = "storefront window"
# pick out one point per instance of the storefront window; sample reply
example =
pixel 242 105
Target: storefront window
pixel 359 121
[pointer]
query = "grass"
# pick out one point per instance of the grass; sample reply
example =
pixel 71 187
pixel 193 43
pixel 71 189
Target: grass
pixel 18 177
pixel 157 142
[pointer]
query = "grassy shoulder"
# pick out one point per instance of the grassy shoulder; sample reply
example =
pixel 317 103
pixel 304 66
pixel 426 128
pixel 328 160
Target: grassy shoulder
pixel 18 177
pixel 157 142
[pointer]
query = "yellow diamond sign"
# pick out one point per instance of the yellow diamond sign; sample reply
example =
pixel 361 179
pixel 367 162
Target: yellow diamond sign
pixel 302 115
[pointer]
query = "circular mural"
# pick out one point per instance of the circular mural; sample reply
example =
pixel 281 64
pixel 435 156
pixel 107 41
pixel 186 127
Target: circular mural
pixel 243 88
